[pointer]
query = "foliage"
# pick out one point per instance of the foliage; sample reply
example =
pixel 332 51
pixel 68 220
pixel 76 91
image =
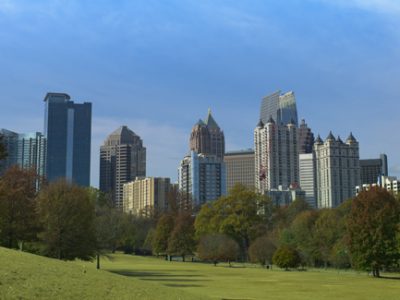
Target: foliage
pixel 165 225
pixel 262 250
pixel 3 152
pixel 327 232
pixel 372 229
pixel 243 215
pixel 286 257
pixel 181 241
pixel 18 222
pixel 66 213
pixel 302 230
pixel 217 247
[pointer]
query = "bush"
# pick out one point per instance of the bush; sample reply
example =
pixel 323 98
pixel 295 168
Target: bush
pixel 286 257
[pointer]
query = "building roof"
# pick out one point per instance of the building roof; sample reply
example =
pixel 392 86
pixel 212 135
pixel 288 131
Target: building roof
pixel 318 140
pixel 123 135
pixel 239 152
pixel 351 138
pixel 260 124
pixel 59 95
pixel 330 137
pixel 210 122
pixel 271 120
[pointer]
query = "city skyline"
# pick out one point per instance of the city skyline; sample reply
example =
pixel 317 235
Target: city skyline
pixel 150 89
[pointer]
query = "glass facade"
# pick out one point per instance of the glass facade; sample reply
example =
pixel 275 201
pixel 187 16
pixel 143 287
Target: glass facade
pixel 68 133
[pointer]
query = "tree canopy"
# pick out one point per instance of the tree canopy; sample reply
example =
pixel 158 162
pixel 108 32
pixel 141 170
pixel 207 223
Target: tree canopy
pixel 66 213
pixel 372 230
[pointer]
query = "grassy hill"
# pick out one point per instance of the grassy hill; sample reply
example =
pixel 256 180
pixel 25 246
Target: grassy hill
pixel 26 276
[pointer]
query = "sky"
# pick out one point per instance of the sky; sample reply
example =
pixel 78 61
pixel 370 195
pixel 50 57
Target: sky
pixel 158 65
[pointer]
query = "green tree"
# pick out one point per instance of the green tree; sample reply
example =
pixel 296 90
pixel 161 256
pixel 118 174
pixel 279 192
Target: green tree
pixel 243 215
pixel 181 241
pixel 302 232
pixel 372 228
pixel 18 222
pixel 67 215
pixel 217 247
pixel 286 257
pixel 164 227
pixel 3 152
pixel 327 232
pixel 262 250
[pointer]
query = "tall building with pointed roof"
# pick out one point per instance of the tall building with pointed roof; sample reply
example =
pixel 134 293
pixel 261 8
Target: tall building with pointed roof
pixel 207 137
pixel 337 170
pixel 122 159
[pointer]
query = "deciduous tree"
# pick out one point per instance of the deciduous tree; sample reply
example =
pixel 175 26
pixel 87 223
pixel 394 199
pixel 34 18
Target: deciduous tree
pixel 262 250
pixel 18 222
pixel 217 247
pixel 165 225
pixel 67 215
pixel 372 229
pixel 181 241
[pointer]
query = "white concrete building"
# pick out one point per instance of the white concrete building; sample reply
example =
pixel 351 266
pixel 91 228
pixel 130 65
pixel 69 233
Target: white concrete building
pixel 307 178
pixel 337 170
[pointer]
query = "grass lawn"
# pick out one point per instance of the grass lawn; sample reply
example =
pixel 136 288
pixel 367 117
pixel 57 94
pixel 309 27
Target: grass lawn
pixel 222 282
pixel 26 276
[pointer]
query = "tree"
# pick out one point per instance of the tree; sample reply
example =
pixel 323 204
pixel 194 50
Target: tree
pixel 3 152
pixel 327 232
pixel 18 222
pixel 243 215
pixel 165 225
pixel 372 228
pixel 181 241
pixel 67 215
pixel 217 247
pixel 262 250
pixel 303 231
pixel 286 257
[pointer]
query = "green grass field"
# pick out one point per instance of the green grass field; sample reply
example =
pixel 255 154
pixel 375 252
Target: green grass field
pixel 30 277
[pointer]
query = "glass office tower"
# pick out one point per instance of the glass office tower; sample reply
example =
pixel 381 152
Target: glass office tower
pixel 280 107
pixel 68 132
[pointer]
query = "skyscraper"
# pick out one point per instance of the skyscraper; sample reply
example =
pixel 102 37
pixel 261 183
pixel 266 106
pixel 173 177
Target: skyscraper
pixel 122 159
pixel 337 170
pixel 26 150
pixel 146 195
pixel 202 174
pixel 307 177
pixel 68 133
pixel 280 107
pixel 10 142
pixel 207 137
pixel 306 138
pixel 372 169
pixel 202 178
pixel 239 168
pixel 276 156
pixel 31 152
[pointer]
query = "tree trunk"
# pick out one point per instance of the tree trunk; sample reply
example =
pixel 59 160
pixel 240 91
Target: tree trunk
pixel 98 261
pixel 183 258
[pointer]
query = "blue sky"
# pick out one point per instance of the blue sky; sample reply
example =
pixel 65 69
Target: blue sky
pixel 157 66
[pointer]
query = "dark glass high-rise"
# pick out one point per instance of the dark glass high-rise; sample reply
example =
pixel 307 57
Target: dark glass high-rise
pixel 68 129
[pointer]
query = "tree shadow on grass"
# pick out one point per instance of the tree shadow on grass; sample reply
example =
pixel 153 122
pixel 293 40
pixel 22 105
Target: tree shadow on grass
pixel 389 277
pixel 183 285
pixel 151 274
pixel 173 279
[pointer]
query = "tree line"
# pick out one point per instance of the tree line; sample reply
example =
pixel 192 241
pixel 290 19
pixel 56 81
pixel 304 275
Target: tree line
pixel 65 221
